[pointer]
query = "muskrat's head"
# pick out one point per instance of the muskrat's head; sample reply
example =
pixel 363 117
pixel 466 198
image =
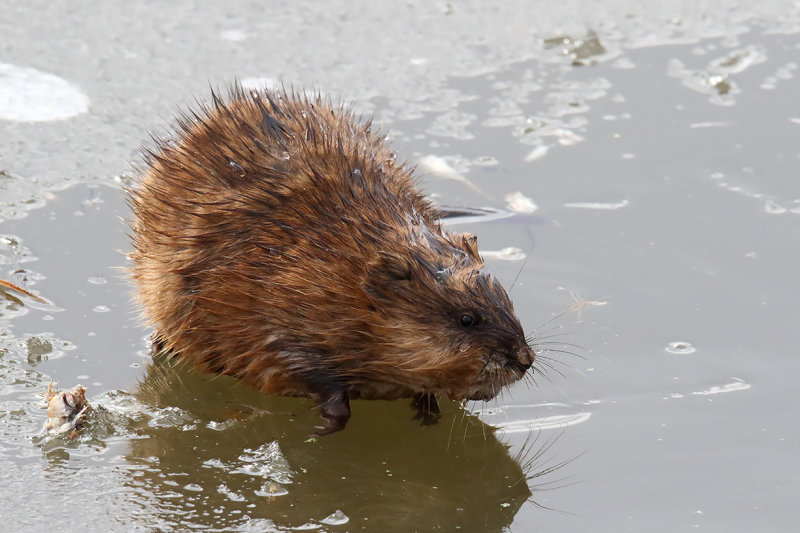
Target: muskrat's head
pixel 450 328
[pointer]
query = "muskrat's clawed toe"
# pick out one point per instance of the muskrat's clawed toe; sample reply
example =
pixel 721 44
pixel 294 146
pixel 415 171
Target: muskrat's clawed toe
pixel 335 410
pixel 332 425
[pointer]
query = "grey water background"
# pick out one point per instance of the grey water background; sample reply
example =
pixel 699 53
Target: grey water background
pixel 649 157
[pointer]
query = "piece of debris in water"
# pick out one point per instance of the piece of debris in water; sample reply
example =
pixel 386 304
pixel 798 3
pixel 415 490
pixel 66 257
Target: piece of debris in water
pixel 6 285
pixel 66 410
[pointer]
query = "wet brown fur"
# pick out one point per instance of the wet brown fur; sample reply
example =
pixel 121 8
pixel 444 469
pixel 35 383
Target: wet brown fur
pixel 277 240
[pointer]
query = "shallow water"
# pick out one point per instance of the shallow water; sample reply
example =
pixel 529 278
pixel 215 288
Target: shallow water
pixel 648 159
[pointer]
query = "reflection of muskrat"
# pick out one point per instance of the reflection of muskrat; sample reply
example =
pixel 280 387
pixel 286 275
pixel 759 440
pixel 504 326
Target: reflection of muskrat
pixel 278 241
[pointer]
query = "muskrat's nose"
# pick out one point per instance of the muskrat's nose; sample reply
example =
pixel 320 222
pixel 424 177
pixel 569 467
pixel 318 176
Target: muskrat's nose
pixel 525 356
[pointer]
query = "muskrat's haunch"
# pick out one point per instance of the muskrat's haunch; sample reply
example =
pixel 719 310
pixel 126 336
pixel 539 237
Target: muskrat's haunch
pixel 277 240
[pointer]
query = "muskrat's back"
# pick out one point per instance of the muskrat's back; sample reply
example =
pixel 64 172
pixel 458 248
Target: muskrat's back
pixel 278 240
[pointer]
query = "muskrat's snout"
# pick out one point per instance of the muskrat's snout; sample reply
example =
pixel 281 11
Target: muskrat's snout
pixel 525 357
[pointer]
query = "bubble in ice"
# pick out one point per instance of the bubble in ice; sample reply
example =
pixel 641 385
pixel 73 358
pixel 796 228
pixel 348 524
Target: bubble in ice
pixel 680 348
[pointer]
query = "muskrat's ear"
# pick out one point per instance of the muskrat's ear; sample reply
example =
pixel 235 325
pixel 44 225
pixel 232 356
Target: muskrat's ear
pixel 387 275
pixel 470 243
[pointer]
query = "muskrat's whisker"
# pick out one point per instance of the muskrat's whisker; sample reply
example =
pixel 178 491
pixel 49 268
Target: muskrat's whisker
pixel 545 362
pixel 528 460
pixel 567 352
pixel 543 357
pixel 540 342
pixel 547 335
pixel 521 268
pixel 550 324
pixel 450 433
pixel 549 364
pixel 544 374
pixel 552 319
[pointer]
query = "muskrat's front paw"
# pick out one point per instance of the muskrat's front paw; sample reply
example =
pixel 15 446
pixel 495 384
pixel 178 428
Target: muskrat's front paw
pixel 427 409
pixel 332 425
pixel 426 419
pixel 335 409
pixel 157 344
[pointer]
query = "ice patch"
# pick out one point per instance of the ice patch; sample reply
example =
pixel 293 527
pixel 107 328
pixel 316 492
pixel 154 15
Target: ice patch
pixel 29 95
pixel 597 205
pixel 259 82
pixel 519 203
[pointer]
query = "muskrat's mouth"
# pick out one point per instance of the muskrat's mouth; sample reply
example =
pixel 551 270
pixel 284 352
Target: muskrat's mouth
pixel 494 377
pixel 520 368
pixel 482 396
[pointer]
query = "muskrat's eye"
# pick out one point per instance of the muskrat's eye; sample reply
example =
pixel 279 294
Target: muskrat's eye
pixel 466 320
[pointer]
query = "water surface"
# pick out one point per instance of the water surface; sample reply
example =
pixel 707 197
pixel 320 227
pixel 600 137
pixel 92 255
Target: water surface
pixel 649 161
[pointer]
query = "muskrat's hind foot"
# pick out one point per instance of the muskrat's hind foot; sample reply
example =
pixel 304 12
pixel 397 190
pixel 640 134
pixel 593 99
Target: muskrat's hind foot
pixel 335 410
pixel 428 412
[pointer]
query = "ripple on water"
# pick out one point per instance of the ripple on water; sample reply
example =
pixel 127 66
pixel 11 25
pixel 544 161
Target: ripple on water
pixel 736 385
pixel 531 417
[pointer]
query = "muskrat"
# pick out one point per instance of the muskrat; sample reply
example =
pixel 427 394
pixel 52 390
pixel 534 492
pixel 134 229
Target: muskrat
pixel 278 240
